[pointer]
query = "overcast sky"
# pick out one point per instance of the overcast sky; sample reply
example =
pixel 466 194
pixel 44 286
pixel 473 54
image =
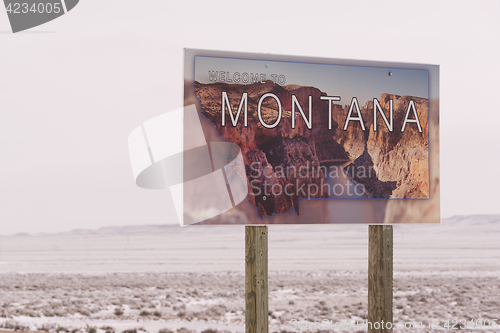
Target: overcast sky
pixel 73 89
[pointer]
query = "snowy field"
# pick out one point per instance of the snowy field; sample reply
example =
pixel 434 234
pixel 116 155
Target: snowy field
pixel 171 279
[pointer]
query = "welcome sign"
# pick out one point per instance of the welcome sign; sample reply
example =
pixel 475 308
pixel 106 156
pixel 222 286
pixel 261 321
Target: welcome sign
pixel 300 140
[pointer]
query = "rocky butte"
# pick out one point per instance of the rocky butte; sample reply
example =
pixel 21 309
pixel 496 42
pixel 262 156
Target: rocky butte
pixel 271 140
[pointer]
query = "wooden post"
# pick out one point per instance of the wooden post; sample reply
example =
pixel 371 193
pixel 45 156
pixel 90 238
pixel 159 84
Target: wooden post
pixel 380 262
pixel 256 295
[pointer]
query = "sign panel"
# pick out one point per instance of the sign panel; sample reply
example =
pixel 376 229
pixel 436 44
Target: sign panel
pixel 308 140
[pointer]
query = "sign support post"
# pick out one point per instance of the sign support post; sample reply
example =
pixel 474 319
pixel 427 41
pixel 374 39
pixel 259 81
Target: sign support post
pixel 256 286
pixel 380 278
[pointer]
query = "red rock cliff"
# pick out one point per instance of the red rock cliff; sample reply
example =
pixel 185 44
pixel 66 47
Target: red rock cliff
pixel 399 159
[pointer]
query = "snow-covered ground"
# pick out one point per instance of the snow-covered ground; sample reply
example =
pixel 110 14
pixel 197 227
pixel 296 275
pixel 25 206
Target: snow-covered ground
pixel 166 277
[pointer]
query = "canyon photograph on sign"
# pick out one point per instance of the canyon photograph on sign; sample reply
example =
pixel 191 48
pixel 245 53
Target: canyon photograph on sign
pixel 308 134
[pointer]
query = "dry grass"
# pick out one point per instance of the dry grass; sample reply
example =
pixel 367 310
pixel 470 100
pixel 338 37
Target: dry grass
pixel 219 297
